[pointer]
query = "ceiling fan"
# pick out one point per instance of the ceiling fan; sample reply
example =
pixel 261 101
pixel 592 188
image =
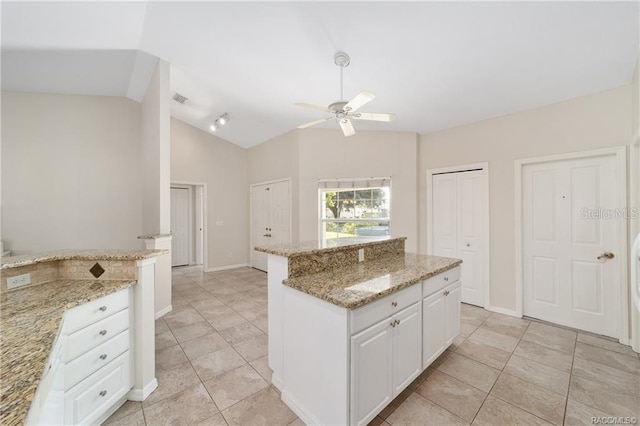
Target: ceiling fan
pixel 344 111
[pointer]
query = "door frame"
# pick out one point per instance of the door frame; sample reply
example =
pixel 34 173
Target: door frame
pixel 269 182
pixel 205 240
pixel 484 167
pixel 620 154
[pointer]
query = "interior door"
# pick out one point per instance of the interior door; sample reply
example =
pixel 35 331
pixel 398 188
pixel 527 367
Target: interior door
pixel 566 233
pixel 458 227
pixel 180 226
pixel 280 207
pixel 260 219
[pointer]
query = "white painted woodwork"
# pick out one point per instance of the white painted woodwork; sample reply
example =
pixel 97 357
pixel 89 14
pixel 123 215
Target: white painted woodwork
pixel 180 220
pixel 433 330
pixel 371 313
pixel 458 209
pixel 278 271
pixel 563 280
pixel 270 218
pixel 406 343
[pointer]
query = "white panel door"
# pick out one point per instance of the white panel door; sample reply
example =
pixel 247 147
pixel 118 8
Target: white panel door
pixel 260 212
pixel 458 227
pixel 280 213
pixel 180 226
pixel 564 280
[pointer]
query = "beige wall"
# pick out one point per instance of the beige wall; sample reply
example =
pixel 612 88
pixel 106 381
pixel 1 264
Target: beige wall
pixel 591 122
pixel 70 174
pixel 278 159
pixel 326 154
pixel 197 156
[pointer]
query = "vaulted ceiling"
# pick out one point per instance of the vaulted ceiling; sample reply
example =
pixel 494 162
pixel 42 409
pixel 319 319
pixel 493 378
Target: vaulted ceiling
pixel 434 64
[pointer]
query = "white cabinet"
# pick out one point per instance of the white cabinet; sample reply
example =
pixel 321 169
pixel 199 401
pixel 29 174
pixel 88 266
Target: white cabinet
pixel 385 358
pixel 441 321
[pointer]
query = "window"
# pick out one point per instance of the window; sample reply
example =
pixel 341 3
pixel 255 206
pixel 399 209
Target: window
pixel 354 207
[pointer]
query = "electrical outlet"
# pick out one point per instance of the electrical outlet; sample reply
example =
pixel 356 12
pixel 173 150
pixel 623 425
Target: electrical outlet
pixel 18 281
pixel 361 255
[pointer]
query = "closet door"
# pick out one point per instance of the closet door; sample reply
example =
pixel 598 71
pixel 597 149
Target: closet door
pixel 180 226
pixel 260 212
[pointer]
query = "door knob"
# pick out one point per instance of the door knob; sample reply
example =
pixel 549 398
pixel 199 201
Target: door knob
pixel 606 255
pixel 265 235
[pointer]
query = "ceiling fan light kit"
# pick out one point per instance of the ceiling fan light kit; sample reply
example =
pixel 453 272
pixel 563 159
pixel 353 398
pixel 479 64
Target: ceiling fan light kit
pixel 343 111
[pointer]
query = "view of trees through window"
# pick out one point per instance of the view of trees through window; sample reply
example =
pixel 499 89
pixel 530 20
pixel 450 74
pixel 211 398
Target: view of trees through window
pixel 355 212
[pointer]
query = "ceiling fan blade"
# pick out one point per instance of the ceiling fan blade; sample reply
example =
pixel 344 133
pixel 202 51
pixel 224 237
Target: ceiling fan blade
pixel 374 116
pixel 311 106
pixel 313 123
pixel 361 99
pixel 347 127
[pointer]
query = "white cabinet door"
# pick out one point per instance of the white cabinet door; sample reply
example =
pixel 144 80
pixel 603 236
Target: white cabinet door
pixel 433 327
pixel 452 310
pixel 371 387
pixel 407 347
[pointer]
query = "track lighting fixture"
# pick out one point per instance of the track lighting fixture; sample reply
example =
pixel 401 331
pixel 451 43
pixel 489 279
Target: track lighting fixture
pixel 220 121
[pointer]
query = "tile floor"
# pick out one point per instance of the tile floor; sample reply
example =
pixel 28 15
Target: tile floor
pixel 211 354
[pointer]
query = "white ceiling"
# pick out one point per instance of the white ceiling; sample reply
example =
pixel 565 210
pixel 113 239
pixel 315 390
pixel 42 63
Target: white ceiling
pixel 436 65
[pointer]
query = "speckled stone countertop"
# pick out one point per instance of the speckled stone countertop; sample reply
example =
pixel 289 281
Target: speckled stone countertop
pixel 30 320
pixel 30 259
pixel 154 236
pixel 356 285
pixel 323 246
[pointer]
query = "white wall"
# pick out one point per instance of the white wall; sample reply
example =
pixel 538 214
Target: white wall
pixel 591 122
pixel 277 159
pixel 70 172
pixel 197 156
pixel 326 154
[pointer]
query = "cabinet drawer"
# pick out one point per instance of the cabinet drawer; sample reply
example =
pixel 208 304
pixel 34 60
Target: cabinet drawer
pixel 91 398
pixel 374 312
pixel 89 313
pixel 440 281
pixel 89 337
pixel 85 365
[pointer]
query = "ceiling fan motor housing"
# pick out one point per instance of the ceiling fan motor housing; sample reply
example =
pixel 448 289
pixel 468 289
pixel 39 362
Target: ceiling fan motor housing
pixel 341 59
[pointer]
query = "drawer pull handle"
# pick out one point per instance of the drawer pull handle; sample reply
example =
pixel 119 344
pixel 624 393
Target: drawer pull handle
pixel 103 332
pixel 103 356
pixel 103 393
pixel 446 278
pixel 103 308
pixel 393 324
pixel 394 304
pixel 397 322
pixel 446 293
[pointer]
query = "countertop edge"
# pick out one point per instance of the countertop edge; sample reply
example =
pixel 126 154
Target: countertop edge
pixel 305 252
pixel 31 259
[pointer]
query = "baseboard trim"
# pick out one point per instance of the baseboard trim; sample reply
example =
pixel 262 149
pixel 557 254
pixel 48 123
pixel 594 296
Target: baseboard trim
pixel 276 382
pixel 142 394
pixel 505 311
pixel 163 312
pixel 299 410
pixel 224 268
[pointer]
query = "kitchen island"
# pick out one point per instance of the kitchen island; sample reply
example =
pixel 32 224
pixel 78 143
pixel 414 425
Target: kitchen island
pixel 352 322
pixel 68 353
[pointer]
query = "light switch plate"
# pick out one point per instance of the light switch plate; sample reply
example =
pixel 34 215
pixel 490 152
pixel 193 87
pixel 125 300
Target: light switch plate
pixel 18 281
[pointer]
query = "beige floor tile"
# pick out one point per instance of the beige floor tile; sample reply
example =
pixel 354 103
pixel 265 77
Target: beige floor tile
pixel 261 365
pixel 467 328
pixel 169 357
pixel 495 412
pixel 604 343
pixel 172 381
pixel 210 302
pixel 223 321
pixel 188 332
pixel 469 371
pixel 551 337
pixel 534 399
pixel 473 314
pixel 416 410
pixel 262 408
pixel 218 362
pixel 126 409
pixel 626 363
pixel 461 399
pixel 544 355
pixel 538 374
pixel 216 420
pixel 165 340
pixel 578 414
pixel 393 405
pixel 235 385
pixel 507 325
pixel 134 419
pixel 611 379
pixel 491 338
pixel 204 345
pixel 377 421
pixel 459 340
pixel 188 407
pixel 493 357
pixel 184 317
pixel 253 349
pixel 161 326
pixel 442 358
pixel 262 323
pixel 421 378
pixel 240 333
pixel 593 394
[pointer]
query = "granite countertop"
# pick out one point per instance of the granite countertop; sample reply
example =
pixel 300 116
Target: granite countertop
pixel 323 246
pixel 154 236
pixel 30 320
pixel 116 254
pixel 356 285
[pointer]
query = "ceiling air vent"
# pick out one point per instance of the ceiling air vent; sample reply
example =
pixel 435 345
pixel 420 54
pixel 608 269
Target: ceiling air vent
pixel 179 98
